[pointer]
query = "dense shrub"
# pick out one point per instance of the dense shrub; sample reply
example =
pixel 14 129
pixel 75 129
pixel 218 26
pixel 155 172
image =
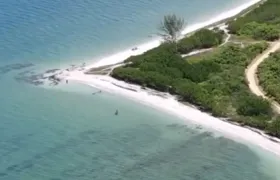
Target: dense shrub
pixel 192 93
pixel 252 105
pixel 214 83
pixel 201 39
pixel 274 127
pixel 149 79
pixel 207 82
pixel 260 23
pixel 252 51
pixel 269 75
pixel 200 71
pixel 260 31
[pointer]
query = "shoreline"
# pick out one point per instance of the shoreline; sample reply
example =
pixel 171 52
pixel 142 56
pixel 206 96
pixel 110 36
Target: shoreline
pixel 187 113
pixel 141 48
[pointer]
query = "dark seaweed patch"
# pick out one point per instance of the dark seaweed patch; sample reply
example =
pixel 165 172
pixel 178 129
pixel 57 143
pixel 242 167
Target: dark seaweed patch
pixel 26 165
pixel 52 70
pixel 12 67
pixel 3 174
pixel 12 167
pixel 81 138
pixel 31 77
pixel 20 167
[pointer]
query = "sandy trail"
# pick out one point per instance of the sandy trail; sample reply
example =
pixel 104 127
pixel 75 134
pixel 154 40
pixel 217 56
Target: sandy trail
pixel 251 74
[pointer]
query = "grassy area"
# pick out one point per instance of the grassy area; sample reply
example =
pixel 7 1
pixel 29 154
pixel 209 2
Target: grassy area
pixel 242 39
pixel 234 40
pixel 202 56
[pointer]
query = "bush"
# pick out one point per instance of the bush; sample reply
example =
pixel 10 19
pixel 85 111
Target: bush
pixel 260 31
pixel 192 93
pixel 269 75
pixel 266 32
pixel 273 128
pixel 200 71
pixel 267 13
pixel 149 79
pixel 251 105
pixel 201 39
pixel 252 51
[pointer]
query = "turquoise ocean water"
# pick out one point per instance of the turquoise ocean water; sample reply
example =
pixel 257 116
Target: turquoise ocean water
pixel 65 133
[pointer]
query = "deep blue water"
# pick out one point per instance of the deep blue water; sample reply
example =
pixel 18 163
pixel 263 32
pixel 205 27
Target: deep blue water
pixel 66 133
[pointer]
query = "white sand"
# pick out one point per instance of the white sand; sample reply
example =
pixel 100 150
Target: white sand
pixel 121 56
pixel 169 103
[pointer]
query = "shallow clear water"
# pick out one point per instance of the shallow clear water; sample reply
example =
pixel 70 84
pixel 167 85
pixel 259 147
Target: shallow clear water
pixel 67 133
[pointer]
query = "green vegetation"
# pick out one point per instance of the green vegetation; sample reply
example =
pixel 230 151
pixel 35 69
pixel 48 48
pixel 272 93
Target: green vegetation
pixel 260 31
pixel 274 128
pixel 261 23
pixel 171 27
pixel 214 81
pixel 201 39
pixel 269 75
pixel 253 106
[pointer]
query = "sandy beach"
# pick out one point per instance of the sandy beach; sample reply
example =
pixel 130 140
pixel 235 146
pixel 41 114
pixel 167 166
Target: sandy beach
pixel 165 102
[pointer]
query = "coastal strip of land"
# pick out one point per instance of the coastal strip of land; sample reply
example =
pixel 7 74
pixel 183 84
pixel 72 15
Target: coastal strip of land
pixel 165 101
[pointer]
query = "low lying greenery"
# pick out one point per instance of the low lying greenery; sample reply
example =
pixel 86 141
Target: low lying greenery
pixel 260 31
pixel 201 39
pixel 269 75
pixel 214 83
pixel 261 23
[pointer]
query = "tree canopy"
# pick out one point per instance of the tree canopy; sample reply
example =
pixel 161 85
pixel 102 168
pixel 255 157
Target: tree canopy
pixel 262 22
pixel 171 27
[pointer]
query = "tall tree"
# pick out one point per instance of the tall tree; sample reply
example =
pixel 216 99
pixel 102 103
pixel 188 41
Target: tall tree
pixel 171 27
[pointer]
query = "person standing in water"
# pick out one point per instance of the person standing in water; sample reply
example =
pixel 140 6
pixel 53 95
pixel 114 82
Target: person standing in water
pixel 117 112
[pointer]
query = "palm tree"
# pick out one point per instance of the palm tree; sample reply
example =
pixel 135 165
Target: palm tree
pixel 171 27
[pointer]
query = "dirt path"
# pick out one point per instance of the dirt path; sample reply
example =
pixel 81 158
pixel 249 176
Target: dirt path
pixel 251 74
